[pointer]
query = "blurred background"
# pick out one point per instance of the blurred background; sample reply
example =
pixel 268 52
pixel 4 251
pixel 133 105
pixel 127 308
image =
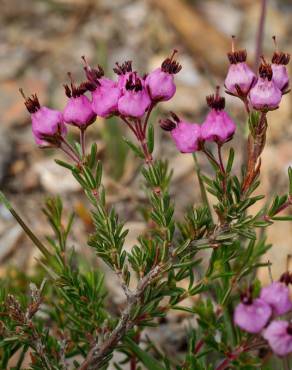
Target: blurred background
pixel 41 40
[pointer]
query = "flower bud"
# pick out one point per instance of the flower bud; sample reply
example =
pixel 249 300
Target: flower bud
pixel 240 78
pixel 218 126
pixel 48 125
pixel 252 315
pixel 265 95
pixel 160 82
pixel 279 336
pixel 105 94
pixel 78 111
pixel 186 135
pixel 280 74
pixel 135 99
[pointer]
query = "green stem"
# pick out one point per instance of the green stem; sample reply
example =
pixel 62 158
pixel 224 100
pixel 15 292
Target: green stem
pixel 82 141
pixel 204 196
pixel 24 226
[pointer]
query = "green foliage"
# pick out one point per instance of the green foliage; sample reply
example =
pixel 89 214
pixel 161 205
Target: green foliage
pixel 212 254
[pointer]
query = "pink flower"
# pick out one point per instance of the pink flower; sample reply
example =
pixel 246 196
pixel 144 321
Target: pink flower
pixel 240 78
pixel 135 99
pixel 277 296
pixel 252 315
pixel 160 82
pixel 265 95
pixel 105 97
pixel 105 92
pixel 78 110
pixel 48 125
pixel 279 336
pixel 280 74
pixel 186 135
pixel 218 126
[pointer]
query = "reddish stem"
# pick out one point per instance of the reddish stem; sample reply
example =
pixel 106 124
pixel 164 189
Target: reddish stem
pixel 152 105
pixel 140 135
pixel 67 149
pixel 287 204
pixel 222 168
pixel 139 130
pixel 129 125
pixel 223 364
pixel 210 157
pixel 198 346
pixel 245 100
pixel 256 144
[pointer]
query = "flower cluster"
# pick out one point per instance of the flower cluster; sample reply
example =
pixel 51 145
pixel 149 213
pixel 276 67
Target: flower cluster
pixel 129 97
pixel 190 137
pixel 254 314
pixel 132 97
pixel 261 93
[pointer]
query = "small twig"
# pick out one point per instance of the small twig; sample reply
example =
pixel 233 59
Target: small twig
pixel 97 353
pixel 125 288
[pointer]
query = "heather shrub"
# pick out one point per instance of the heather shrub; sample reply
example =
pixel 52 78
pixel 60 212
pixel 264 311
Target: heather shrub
pixel 66 321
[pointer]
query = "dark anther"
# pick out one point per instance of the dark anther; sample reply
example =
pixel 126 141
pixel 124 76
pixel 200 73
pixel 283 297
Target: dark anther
pixel 122 69
pixel 170 65
pixel 76 91
pixel 265 70
pixel 238 56
pixel 174 116
pixel 93 74
pixel 88 86
pixel 289 329
pixel 280 58
pixel 286 278
pixel 246 297
pixel 215 101
pixel 32 103
pixel 67 91
pixel 133 83
pixel 167 124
